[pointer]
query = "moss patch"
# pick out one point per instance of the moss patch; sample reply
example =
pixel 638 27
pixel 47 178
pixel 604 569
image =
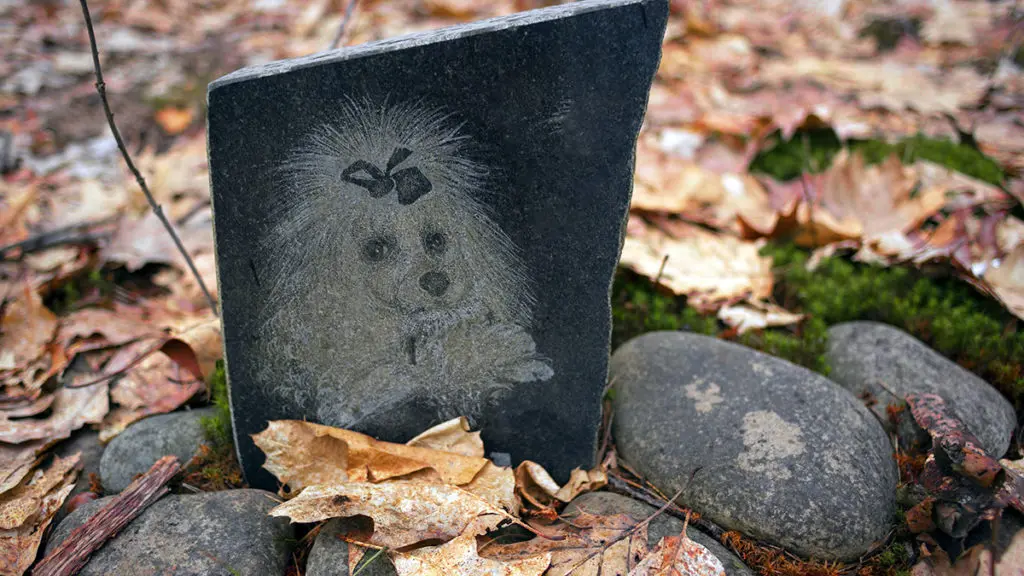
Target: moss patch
pixel 813 150
pixel 943 312
pixel 216 467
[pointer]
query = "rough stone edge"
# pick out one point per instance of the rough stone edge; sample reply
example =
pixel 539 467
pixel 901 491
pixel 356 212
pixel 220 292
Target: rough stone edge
pixel 423 38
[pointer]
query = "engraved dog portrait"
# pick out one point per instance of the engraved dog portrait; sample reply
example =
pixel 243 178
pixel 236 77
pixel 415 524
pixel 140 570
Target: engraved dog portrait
pixel 388 277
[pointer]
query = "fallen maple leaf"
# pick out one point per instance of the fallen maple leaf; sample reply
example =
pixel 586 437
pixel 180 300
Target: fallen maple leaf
pixel 709 269
pixel 302 454
pixel 403 512
pixel 16 461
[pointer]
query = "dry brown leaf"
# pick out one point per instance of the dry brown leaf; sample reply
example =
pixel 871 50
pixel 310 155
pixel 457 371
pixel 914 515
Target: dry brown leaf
pixel 36 509
pixel 17 460
pixel 756 315
pixel 26 329
pixel 115 326
pixel 451 436
pixel 671 184
pixel 709 269
pixel 536 486
pixel 403 513
pixel 460 556
pixel 302 454
pixel 155 385
pixel 19 505
pixel 679 556
pixel 71 409
pixel 174 121
pixel 590 545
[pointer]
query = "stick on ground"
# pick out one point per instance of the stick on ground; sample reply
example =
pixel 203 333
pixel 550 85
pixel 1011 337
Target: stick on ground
pixel 72 554
pixel 101 87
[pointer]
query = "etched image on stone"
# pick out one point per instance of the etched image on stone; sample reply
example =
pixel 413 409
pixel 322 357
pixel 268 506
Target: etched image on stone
pixel 389 275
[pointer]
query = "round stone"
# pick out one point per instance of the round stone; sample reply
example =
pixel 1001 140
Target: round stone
pixel 135 450
pixel 880 360
pixel 329 556
pixel 225 532
pixel 754 443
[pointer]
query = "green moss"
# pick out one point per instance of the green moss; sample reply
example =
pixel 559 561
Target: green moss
pixel 94 285
pixel 217 428
pixel 944 312
pixel 813 150
pixel 894 556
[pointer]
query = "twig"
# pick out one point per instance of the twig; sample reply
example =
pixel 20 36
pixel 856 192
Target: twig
pixel 344 24
pixel 148 352
pixel 73 234
pixel 72 554
pixel 101 87
pixel 620 486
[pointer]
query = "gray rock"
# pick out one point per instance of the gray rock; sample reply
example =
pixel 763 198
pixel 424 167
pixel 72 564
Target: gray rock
pixel 428 226
pixel 329 556
pixel 606 503
pixel 879 359
pixel 757 444
pixel 87 444
pixel 215 533
pixel 135 450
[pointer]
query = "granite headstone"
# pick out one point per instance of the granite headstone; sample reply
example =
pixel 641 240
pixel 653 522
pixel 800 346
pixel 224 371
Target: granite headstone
pixel 425 227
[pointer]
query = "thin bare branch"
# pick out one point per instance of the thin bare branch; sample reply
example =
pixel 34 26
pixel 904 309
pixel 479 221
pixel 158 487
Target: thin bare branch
pixel 349 9
pixel 157 209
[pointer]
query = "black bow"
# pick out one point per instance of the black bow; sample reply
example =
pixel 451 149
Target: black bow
pixel 411 183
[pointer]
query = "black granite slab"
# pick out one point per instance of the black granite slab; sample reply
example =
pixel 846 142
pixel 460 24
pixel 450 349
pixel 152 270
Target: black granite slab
pixel 428 226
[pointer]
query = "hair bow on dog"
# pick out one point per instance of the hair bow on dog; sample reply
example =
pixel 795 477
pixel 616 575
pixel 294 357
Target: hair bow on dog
pixel 410 182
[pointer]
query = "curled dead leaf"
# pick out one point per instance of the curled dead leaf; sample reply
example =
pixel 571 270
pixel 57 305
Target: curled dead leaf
pixel 302 454
pixel 536 486
pixel 460 556
pixel 26 329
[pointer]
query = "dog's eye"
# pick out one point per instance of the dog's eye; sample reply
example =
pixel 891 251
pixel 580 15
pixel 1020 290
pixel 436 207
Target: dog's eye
pixel 435 243
pixel 378 249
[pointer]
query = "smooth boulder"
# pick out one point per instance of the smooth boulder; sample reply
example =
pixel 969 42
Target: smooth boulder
pixel 608 503
pixel 329 556
pixel 878 359
pixel 136 449
pixel 213 533
pixel 755 443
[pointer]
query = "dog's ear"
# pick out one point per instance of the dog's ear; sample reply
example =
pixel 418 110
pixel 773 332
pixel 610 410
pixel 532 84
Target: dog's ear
pixel 411 184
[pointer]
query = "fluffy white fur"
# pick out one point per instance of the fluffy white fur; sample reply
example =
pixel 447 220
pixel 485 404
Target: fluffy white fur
pixel 375 297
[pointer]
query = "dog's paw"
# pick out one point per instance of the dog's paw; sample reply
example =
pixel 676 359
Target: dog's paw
pixel 499 353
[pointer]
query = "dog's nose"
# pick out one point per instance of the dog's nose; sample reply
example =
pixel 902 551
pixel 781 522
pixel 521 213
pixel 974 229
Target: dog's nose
pixel 435 283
